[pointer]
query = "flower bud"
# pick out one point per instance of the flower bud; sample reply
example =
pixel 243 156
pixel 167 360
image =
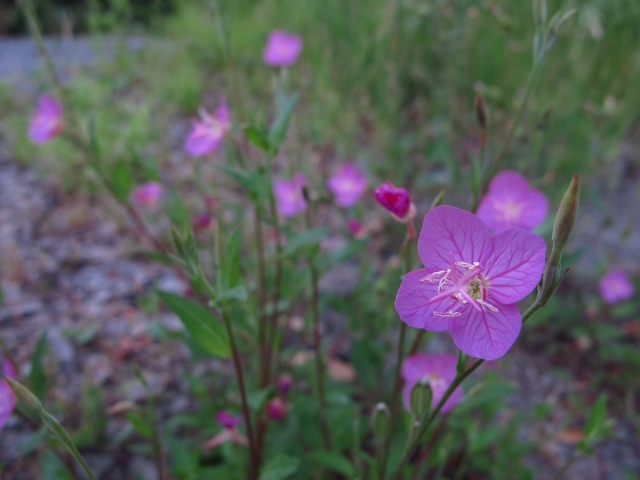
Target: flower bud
pixel 285 382
pixel 567 214
pixel 397 201
pixel 23 394
pixel 381 421
pixel 421 397
pixel 277 409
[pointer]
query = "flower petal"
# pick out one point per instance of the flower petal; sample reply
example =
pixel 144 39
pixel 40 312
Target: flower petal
pixel 448 229
pixel 49 106
pixel 487 334
pixel 412 303
pixel 199 143
pixel 515 266
pixel 535 208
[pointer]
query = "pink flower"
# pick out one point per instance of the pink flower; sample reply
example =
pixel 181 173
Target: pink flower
pixel 277 409
pixel 511 202
pixel 147 194
pixel 202 222
pixel 227 420
pixel 356 228
pixel 46 122
pixel 397 201
pixel 283 49
pixel 471 281
pixel 7 398
pixel 208 132
pixel 289 196
pixel 347 184
pixel 439 370
pixel 285 382
pixel 615 286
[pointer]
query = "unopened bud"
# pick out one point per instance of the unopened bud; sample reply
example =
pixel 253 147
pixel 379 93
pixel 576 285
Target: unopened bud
pixel 25 396
pixel 421 397
pixel 381 421
pixel 397 201
pixel 481 112
pixel 567 214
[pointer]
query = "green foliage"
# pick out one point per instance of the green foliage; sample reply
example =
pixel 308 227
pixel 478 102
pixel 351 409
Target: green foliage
pixel 280 467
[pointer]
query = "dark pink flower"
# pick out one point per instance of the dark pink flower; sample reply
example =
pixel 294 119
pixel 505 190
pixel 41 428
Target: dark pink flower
pixel 285 382
pixel 7 398
pixel 471 281
pixel 289 196
pixel 615 286
pixel 283 49
pixel 396 200
pixel 439 370
pixel 227 420
pixel 147 194
pixel 347 185
pixel 202 222
pixel 511 202
pixel 208 132
pixel 277 409
pixel 356 228
pixel 46 122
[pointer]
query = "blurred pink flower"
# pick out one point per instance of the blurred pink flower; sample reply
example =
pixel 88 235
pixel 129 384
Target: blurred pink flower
pixel 283 49
pixel 227 420
pixel 7 398
pixel 511 202
pixel 277 409
pixel 356 228
pixel 397 201
pixel 208 132
pixel 289 196
pixel 439 370
pixel 615 286
pixel 347 185
pixel 203 222
pixel 46 122
pixel 230 432
pixel 471 281
pixel 147 194
pixel 285 382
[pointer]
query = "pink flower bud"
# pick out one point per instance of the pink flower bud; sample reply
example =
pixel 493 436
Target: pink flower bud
pixel 147 194
pixel 397 201
pixel 7 398
pixel 227 420
pixel 46 122
pixel 283 49
pixel 285 382
pixel 277 409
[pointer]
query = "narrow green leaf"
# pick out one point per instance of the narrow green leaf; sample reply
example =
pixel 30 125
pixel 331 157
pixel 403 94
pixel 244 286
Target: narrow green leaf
pixel 305 239
pixel 258 399
pixel 258 138
pixel 597 416
pixel 121 179
pixel 201 324
pixel 278 130
pixel 37 377
pixel 280 467
pixel 235 293
pixel 140 425
pixel 333 461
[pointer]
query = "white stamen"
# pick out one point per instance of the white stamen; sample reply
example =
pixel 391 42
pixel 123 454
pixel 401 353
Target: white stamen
pixel 447 314
pixel 487 305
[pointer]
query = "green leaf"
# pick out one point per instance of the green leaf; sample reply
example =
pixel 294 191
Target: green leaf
pixel 37 377
pixel 305 239
pixel 176 210
pixel 280 467
pixel 201 324
pixel 121 179
pixel 259 139
pixel 258 399
pixel 333 461
pixel 235 293
pixel 597 417
pixel 252 181
pixel 278 130
pixel 140 424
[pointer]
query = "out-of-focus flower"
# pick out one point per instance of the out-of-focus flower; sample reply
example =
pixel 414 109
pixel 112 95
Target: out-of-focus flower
pixel 283 49
pixel 615 286
pixel 202 222
pixel 511 202
pixel 230 432
pixel 208 132
pixel 277 409
pixel 471 281
pixel 285 382
pixel 438 370
pixel 356 228
pixel 46 122
pixel 397 201
pixel 347 185
pixel 289 195
pixel 147 194
pixel 7 398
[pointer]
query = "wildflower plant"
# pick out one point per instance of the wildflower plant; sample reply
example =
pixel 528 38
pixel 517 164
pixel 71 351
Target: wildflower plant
pixel 255 267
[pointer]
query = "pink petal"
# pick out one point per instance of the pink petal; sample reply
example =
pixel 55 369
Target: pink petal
pixel 7 398
pixel 508 181
pixel 49 106
pixel 515 266
pixel 412 303
pixel 535 209
pixel 443 367
pixel 448 229
pixel 487 335
pixel 199 143
pixel 222 114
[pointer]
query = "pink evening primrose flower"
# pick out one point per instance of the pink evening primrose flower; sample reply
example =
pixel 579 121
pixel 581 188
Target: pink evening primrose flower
pixel 227 420
pixel 7 398
pixel 147 194
pixel 46 122
pixel 283 49
pixel 397 201
pixel 208 132
pixel 439 370
pixel 615 286
pixel 471 281
pixel 347 185
pixel 289 196
pixel 229 434
pixel 511 202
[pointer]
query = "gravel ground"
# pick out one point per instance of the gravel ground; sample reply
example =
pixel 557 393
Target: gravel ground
pixel 68 269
